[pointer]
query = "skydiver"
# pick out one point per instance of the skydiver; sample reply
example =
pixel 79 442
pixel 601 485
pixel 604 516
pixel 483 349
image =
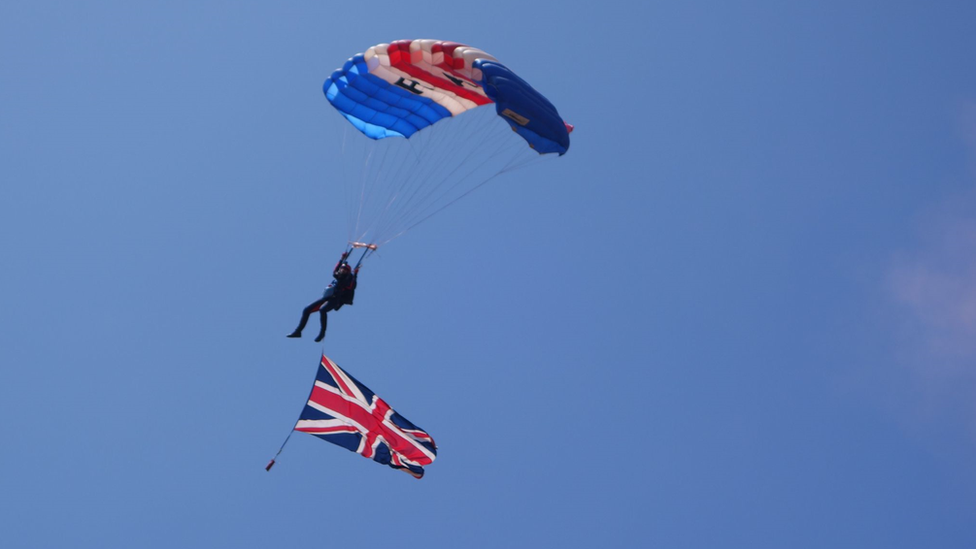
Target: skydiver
pixel 340 292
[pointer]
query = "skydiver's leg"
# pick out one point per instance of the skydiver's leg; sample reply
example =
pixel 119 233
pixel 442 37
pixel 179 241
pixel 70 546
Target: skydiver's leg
pixel 315 306
pixel 324 318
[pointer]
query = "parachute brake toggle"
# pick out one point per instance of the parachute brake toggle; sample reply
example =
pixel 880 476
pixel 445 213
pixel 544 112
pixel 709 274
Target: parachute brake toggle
pixel 363 245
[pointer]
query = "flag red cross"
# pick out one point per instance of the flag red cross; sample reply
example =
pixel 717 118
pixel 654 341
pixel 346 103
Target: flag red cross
pixel 354 414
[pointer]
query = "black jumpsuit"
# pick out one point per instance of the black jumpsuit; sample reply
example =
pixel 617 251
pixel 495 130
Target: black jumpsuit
pixel 340 292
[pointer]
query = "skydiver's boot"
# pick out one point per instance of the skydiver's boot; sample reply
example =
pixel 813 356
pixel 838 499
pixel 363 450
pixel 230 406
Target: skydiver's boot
pixel 296 333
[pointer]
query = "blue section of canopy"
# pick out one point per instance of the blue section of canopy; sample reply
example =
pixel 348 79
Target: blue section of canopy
pixel 537 121
pixel 376 107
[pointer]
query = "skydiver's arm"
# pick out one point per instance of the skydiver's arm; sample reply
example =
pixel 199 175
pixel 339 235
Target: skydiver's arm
pixel 342 260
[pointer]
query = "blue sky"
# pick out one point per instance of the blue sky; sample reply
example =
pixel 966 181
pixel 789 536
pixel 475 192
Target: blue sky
pixel 740 312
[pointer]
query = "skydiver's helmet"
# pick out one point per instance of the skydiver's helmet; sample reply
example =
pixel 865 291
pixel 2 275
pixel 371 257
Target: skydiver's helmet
pixel 343 271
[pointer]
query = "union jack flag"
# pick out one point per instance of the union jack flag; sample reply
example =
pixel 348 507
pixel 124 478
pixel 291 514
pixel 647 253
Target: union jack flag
pixel 343 411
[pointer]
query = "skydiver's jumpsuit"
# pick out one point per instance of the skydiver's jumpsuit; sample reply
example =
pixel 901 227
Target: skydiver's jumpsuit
pixel 340 292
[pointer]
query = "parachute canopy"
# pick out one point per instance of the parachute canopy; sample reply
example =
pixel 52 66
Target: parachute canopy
pixel 397 89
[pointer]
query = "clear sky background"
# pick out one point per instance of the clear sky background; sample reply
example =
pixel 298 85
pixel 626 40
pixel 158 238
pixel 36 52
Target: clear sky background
pixel 740 312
